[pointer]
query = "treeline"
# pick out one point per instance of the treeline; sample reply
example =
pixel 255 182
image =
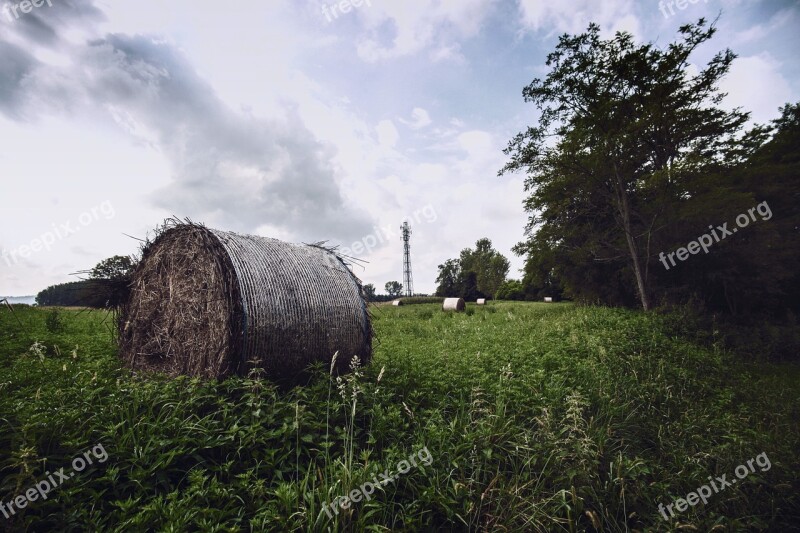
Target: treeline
pixel 106 287
pixel 84 293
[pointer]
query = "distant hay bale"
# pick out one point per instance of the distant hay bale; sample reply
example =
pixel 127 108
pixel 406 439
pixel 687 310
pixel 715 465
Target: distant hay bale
pixel 397 302
pixel 211 303
pixel 453 304
pixel 548 299
pixel 481 301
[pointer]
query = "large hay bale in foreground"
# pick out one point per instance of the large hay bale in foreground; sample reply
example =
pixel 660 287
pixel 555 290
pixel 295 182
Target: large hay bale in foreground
pixel 453 304
pixel 212 303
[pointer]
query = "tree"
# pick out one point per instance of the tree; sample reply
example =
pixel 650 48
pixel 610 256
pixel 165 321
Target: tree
pixel 83 293
pixel 114 268
pixel 632 130
pixel 369 292
pixel 489 266
pixel 449 281
pixel 394 288
pixel 475 274
pixel 511 290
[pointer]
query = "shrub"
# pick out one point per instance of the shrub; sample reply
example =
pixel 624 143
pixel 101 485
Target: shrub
pixel 54 321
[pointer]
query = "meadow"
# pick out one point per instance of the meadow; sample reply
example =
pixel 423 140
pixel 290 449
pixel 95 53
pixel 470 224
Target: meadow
pixel 537 417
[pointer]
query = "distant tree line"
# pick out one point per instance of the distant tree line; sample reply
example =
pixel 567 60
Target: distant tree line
pixel 106 287
pixel 394 290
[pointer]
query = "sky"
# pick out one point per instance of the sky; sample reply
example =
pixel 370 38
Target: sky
pixel 305 120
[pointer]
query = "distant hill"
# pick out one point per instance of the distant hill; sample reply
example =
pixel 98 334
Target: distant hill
pixel 30 300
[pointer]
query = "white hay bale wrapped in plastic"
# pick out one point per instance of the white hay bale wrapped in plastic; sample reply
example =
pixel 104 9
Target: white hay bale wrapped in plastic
pixel 481 301
pixel 454 304
pixel 397 302
pixel 548 299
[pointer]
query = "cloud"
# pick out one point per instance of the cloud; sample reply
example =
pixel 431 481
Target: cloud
pixel 416 25
pixel 574 16
pixel 756 84
pixel 228 167
pixel 47 23
pixel 783 18
pixel 247 171
pixel 387 133
pixel 419 119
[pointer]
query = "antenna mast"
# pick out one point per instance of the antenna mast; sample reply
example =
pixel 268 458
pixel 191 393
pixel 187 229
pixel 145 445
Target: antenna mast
pixel 408 283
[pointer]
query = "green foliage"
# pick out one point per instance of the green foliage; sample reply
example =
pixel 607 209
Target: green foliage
pixel 489 265
pixel 475 274
pixel 539 417
pixel 393 288
pixel 114 268
pixel 369 292
pixel 644 159
pixel 54 322
pixel 511 290
pixel 415 300
pixel 449 282
pixel 106 288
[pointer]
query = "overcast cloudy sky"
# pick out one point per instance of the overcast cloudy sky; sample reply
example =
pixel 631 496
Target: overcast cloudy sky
pixel 294 120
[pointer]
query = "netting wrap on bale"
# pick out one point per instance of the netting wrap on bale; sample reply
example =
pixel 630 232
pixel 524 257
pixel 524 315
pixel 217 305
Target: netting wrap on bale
pixel 212 303
pixel 453 304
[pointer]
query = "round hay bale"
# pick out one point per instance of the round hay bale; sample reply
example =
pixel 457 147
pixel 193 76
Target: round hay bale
pixel 453 304
pixel 211 303
pixel 397 302
pixel 481 301
pixel 548 299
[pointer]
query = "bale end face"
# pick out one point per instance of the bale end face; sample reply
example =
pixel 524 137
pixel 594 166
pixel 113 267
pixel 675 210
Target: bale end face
pixel 454 304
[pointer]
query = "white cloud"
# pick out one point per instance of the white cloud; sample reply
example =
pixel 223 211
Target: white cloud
pixel 419 119
pixel 387 133
pixel 757 85
pixel 574 16
pixel 420 24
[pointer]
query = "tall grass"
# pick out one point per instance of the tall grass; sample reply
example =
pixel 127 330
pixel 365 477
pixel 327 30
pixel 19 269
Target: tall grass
pixel 539 417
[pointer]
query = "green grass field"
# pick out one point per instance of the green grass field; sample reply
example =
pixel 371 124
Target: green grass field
pixel 537 417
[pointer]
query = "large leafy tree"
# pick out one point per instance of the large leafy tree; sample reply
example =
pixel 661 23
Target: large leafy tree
pixel 449 282
pixel 476 273
pixel 369 292
pixel 623 133
pixel 489 265
pixel 393 288
pixel 113 268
